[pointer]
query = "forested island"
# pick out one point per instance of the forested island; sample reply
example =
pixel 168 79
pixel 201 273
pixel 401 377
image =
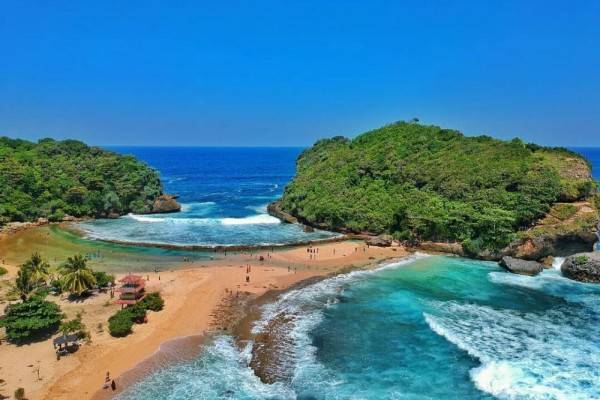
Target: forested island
pixel 425 183
pixel 52 179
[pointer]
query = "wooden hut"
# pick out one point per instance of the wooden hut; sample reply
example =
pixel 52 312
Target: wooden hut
pixel 131 289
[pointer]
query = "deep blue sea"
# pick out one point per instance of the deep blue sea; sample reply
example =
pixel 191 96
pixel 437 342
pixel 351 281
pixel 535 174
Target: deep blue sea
pixel 431 327
pixel 224 194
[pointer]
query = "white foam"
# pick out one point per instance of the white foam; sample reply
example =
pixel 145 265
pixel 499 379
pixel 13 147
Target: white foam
pixel 534 355
pixel 557 263
pixel 145 218
pixel 304 309
pixel 187 207
pixel 251 220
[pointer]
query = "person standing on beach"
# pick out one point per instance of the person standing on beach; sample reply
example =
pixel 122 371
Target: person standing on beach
pixel 113 385
pixel 106 380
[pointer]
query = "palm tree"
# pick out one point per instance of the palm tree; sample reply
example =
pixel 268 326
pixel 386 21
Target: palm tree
pixel 38 269
pixel 31 275
pixel 77 276
pixel 23 283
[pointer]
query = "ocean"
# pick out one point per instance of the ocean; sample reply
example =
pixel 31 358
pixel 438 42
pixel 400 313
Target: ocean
pixel 427 327
pixel 224 194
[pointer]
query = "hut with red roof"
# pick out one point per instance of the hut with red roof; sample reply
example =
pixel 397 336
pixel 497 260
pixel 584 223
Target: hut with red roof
pixel 132 289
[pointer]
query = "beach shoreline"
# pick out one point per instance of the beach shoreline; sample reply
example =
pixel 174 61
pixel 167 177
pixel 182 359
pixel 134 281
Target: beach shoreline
pixel 194 293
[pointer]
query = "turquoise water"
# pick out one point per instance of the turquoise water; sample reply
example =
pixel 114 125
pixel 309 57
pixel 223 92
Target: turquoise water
pixel 427 328
pixel 224 194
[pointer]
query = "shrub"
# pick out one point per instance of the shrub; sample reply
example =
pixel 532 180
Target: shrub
pixel 103 279
pixel 30 319
pixel 120 324
pixel 3 271
pixel 137 313
pixel 580 260
pixel 153 302
pixel 74 326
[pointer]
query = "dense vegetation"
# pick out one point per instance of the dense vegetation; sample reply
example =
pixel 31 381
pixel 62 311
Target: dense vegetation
pixel 427 183
pixel 122 321
pixel 54 178
pixel 32 318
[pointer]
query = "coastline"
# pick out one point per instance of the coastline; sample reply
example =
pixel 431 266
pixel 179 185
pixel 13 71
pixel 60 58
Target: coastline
pixel 197 289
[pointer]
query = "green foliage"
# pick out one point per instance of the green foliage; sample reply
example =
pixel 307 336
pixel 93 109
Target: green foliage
pixel 580 260
pixel 23 283
pixel 137 313
pixel 31 319
pixel 38 269
pixel 120 324
pixel 74 326
pixel 153 302
pixel 563 211
pixel 54 178
pixel 77 276
pixel 31 275
pixel 3 271
pixel 122 321
pixel 103 279
pixel 424 182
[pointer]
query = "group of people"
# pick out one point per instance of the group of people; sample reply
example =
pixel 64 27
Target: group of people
pixel 312 252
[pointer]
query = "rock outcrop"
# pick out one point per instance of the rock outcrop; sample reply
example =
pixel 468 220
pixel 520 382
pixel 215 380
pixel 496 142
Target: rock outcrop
pixel 522 267
pixel 379 241
pixel 442 247
pixel 165 203
pixel 274 209
pixel 583 267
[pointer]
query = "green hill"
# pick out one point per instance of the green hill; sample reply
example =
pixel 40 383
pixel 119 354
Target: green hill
pixel 53 178
pixel 420 182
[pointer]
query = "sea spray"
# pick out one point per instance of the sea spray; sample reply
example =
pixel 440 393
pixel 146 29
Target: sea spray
pixel 433 327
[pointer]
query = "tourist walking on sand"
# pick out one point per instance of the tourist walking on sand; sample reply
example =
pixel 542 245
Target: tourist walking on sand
pixel 113 385
pixel 106 381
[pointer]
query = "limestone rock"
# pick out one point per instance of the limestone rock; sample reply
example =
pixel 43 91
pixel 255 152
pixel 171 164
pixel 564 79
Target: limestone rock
pixel 583 267
pixel 379 241
pixel 165 203
pixel 522 267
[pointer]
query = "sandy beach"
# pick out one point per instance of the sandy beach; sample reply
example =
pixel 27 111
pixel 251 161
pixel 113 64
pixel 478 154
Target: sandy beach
pixel 200 297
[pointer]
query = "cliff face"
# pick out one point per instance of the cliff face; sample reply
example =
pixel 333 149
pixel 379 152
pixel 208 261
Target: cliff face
pixel 567 229
pixel 427 184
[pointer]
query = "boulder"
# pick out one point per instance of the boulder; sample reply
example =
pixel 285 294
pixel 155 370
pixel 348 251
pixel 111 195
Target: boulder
pixel 582 267
pixel 308 229
pixel 42 221
pixel 379 241
pixel 165 203
pixel 522 267
pixel 274 209
pixel 69 218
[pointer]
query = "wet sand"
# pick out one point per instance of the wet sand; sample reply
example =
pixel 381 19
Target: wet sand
pixel 200 297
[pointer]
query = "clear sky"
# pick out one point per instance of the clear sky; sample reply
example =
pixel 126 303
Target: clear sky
pixel 290 72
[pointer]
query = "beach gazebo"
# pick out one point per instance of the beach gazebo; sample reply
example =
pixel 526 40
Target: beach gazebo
pixel 62 344
pixel 132 289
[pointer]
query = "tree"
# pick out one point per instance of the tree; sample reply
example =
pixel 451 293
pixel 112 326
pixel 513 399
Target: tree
pixel 31 319
pixel 38 269
pixel 31 275
pixel 23 284
pixel 103 279
pixel 77 276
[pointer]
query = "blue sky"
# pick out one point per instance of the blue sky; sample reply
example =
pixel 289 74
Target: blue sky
pixel 288 73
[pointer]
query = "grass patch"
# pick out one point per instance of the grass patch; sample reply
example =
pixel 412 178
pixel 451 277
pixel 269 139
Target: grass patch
pixel 563 211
